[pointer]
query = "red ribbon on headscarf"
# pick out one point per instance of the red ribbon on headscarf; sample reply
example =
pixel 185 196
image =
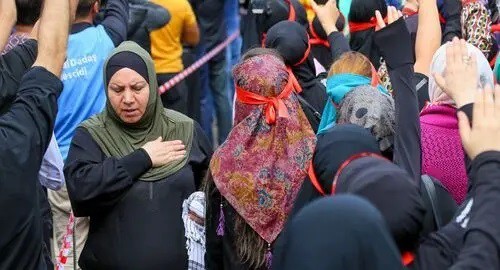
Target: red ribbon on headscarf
pixel 316 40
pixel 274 105
pixel 406 257
pixel 407 12
pixel 306 55
pixel 362 26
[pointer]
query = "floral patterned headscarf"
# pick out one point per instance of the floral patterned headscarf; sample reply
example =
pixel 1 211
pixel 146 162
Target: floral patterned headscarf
pixel 261 166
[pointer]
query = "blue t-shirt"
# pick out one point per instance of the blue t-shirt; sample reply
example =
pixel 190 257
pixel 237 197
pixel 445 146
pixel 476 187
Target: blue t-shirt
pixel 83 94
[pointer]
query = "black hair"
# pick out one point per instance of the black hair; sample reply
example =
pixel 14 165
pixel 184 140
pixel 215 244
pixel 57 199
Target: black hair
pixel 28 11
pixel 84 7
pixel 261 51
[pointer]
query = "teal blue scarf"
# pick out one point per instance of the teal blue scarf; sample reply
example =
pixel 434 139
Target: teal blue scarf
pixel 337 86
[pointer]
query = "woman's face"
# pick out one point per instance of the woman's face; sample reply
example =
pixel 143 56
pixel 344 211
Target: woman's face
pixel 128 93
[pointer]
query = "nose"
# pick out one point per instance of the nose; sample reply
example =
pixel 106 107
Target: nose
pixel 128 97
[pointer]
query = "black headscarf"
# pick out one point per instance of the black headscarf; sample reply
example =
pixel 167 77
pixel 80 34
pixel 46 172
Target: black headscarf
pixel 333 147
pixel 129 60
pixel 363 42
pixel 392 191
pixel 389 188
pixel 279 10
pixel 341 232
pixel 290 39
pixel 322 53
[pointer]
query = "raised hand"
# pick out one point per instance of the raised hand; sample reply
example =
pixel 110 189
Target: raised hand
pixel 327 14
pixel 484 135
pixel 161 153
pixel 460 78
pixel 392 15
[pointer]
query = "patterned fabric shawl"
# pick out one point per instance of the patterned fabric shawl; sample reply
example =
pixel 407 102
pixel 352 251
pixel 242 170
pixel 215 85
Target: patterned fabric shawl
pixel 260 168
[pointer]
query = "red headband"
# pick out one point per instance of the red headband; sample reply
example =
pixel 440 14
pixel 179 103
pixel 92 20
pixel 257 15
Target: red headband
pixel 316 40
pixel 274 105
pixel 306 54
pixel 362 26
pixel 407 257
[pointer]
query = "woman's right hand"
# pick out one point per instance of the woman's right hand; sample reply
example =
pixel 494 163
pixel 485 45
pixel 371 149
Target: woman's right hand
pixel 327 14
pixel 162 153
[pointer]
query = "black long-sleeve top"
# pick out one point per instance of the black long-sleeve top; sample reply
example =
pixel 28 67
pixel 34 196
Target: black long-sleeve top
pixel 406 153
pixel 13 65
pixel 133 224
pixel 25 131
pixel 338 44
pixel 472 239
pixel 114 20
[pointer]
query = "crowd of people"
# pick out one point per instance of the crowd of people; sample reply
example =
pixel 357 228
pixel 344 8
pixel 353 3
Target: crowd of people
pixel 331 134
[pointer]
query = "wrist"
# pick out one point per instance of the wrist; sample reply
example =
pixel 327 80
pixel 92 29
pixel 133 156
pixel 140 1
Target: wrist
pixel 330 28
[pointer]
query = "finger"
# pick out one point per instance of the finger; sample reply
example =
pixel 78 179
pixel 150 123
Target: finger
pixel 380 20
pixel 478 111
pixel 177 147
pixel 314 6
pixel 464 127
pixel 441 82
pixel 159 139
pixel 175 142
pixel 400 14
pixel 450 57
pixel 390 15
pixel 463 48
pixel 497 101
pixel 457 52
pixel 489 103
pixel 395 15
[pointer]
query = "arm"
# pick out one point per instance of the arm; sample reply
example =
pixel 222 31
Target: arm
pixel 116 20
pixel 482 239
pixel 328 15
pixel 13 66
pixel 190 29
pixel 96 182
pixel 51 173
pixel 428 36
pixel 338 44
pixel 24 135
pixel 399 63
pixel 214 254
pixel 8 14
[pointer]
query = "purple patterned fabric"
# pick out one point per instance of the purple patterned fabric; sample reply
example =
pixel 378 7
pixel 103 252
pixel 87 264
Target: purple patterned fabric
pixel 14 40
pixel 260 168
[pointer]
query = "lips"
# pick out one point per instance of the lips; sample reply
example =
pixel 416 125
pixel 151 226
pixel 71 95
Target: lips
pixel 130 112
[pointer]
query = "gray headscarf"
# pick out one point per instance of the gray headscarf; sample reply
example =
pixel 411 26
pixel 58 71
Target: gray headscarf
pixel 367 107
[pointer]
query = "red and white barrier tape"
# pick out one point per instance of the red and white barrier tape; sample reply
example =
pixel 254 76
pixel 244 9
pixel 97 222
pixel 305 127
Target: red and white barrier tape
pixel 67 244
pixel 196 65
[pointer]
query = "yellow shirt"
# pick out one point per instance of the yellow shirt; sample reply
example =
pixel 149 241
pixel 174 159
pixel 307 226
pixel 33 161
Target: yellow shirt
pixel 166 43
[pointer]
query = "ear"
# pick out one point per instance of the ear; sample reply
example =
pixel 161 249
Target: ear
pixel 95 7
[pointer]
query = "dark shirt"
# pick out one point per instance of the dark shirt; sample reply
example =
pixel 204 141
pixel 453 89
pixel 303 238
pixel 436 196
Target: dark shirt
pixel 114 20
pixel 133 224
pixel 13 65
pixel 221 252
pixel 25 132
pixel 422 86
pixel 472 239
pixel 398 57
pixel 338 45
